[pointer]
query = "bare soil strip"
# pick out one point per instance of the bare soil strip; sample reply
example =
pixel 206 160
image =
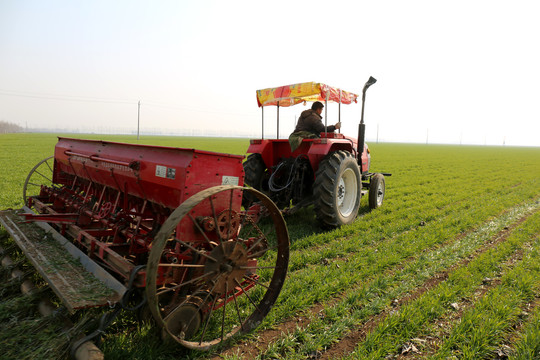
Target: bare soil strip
pixel 251 348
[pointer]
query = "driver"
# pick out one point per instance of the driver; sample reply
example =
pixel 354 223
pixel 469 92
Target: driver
pixel 310 126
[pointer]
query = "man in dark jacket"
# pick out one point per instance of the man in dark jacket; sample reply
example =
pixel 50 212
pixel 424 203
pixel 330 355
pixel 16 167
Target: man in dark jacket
pixel 310 125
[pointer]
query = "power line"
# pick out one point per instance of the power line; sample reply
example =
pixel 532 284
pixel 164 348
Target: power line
pixel 65 97
pixel 162 105
pixel 114 101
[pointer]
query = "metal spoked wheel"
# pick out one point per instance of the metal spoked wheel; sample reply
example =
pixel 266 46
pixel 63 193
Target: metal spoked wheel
pixel 213 271
pixel 41 174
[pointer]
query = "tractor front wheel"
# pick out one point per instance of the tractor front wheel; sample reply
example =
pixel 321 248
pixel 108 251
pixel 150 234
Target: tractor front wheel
pixel 376 191
pixel 337 189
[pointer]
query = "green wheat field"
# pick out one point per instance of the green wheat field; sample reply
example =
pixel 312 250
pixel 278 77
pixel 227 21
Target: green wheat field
pixel 447 268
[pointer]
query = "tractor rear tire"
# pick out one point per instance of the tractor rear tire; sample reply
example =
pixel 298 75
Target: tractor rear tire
pixel 254 169
pixel 254 175
pixel 337 189
pixel 376 191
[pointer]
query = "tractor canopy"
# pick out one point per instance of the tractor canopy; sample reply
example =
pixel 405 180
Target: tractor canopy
pixel 289 95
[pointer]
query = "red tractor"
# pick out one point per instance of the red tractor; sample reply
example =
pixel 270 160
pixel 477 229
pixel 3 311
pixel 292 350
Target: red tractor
pixel 330 172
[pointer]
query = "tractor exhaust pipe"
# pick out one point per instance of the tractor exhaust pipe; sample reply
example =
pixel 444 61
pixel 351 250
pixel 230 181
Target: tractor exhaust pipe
pixel 362 126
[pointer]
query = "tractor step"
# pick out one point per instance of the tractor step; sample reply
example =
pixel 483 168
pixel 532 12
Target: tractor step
pixel 77 280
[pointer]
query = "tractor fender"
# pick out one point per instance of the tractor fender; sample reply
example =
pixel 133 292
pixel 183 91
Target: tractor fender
pixel 322 147
pixel 257 146
pixel 273 150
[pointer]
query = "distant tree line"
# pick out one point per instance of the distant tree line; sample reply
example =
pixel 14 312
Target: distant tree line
pixel 6 127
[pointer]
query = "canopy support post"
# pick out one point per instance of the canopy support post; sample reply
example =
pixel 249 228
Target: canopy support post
pixel 339 110
pixel 278 120
pixel 262 132
pixel 326 115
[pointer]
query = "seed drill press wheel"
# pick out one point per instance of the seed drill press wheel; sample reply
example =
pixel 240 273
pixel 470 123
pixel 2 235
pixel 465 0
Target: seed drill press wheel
pixel 234 278
pixel 41 174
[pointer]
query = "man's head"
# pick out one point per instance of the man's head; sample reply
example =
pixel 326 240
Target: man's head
pixel 317 107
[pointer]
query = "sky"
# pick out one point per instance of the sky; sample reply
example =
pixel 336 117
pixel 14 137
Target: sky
pixel 457 72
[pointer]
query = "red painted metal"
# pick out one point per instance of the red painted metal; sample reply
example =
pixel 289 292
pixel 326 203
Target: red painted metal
pixel 274 150
pixel 162 175
pixel 112 197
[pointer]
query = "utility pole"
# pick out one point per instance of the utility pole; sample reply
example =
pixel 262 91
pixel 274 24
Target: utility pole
pixel 138 118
